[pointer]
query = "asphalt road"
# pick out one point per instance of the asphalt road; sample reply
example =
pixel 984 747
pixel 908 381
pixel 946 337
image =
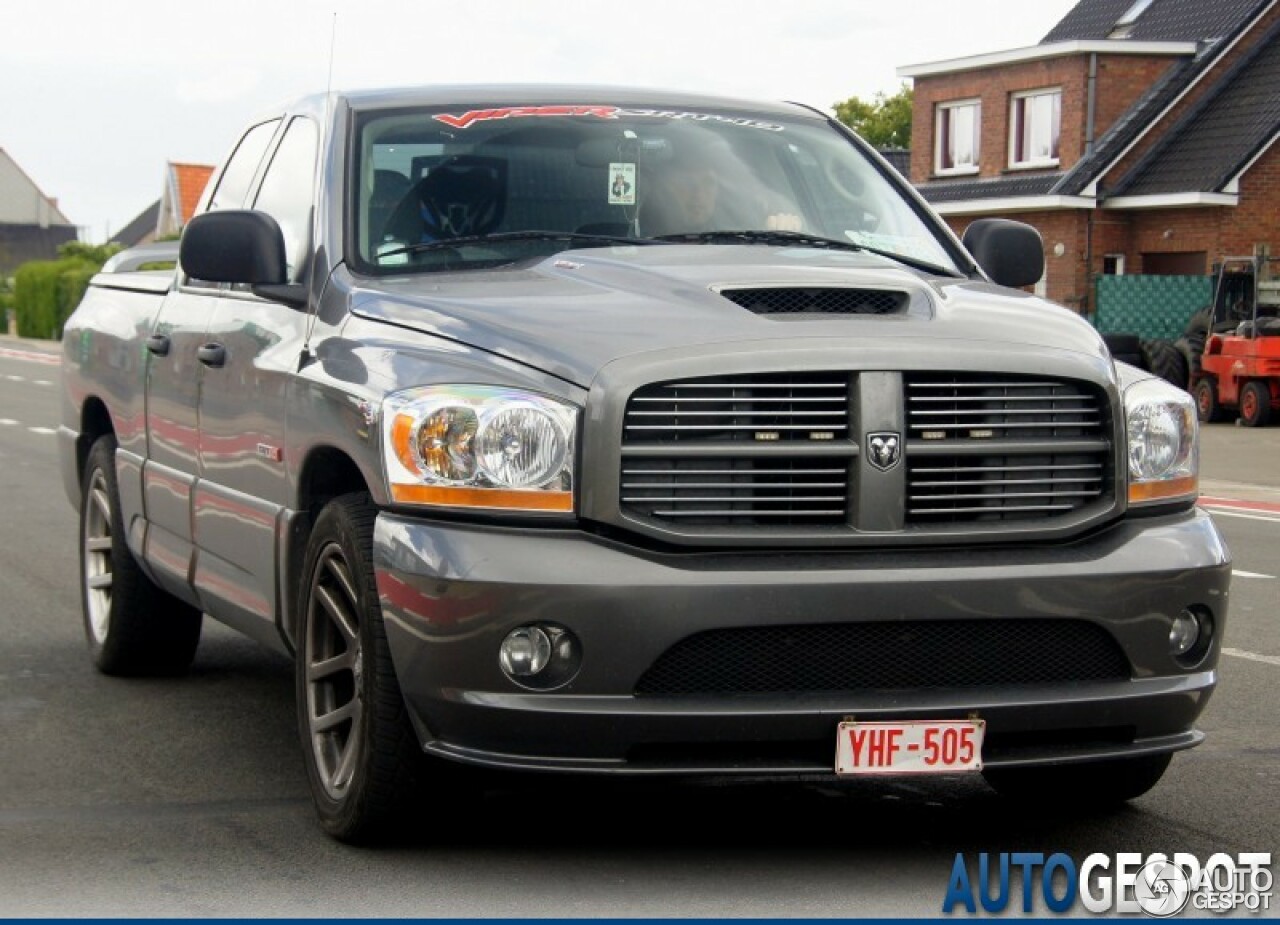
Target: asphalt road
pixel 187 796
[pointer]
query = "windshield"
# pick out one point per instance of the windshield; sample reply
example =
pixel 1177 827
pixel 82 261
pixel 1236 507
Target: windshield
pixel 492 179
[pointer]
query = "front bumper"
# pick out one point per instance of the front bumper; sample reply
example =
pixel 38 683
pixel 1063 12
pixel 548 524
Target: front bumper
pixel 451 593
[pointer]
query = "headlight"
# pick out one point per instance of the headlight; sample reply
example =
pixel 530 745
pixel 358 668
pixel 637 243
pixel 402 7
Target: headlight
pixel 479 447
pixel 1163 435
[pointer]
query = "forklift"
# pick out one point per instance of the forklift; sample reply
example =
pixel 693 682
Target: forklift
pixel 1239 365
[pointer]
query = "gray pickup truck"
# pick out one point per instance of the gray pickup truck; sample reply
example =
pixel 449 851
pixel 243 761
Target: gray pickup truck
pixel 592 430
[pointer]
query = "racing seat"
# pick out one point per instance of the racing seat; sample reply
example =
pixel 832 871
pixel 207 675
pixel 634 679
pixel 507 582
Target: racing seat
pixel 465 195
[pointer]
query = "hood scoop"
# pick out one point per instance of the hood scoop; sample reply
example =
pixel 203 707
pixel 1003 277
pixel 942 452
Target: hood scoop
pixel 812 302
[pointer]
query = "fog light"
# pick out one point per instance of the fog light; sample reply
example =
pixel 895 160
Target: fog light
pixel 1184 633
pixel 525 652
pixel 541 656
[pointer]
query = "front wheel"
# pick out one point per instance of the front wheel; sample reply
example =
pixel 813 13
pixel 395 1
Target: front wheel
pixel 1207 405
pixel 362 756
pixel 1255 404
pixel 132 626
pixel 1093 783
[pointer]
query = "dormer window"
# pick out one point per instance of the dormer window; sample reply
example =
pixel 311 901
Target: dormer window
pixel 956 134
pixel 1035 121
pixel 1124 25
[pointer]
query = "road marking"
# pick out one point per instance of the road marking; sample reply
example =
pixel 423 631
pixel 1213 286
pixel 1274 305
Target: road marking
pixel 42 382
pixel 8 422
pixel 1253 656
pixel 1243 574
pixel 16 378
pixel 31 356
pixel 42 430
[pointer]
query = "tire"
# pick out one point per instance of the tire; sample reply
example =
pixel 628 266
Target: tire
pixel 1094 783
pixel 1191 352
pixel 362 756
pixel 132 626
pixel 1163 358
pixel 1208 408
pixel 1255 404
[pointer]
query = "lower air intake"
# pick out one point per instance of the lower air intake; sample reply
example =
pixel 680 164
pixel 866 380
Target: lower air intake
pixel 848 657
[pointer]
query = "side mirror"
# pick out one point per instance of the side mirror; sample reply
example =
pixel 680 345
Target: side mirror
pixel 240 246
pixel 1011 253
pixel 234 246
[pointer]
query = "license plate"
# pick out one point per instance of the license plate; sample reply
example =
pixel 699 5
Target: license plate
pixel 944 747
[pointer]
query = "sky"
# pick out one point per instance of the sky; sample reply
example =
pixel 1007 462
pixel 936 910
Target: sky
pixel 96 97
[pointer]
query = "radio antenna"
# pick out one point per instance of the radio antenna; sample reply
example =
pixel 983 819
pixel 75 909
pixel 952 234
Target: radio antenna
pixel 333 40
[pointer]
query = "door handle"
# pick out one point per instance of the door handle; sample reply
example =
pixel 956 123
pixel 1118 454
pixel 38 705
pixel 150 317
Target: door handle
pixel 212 355
pixel 158 344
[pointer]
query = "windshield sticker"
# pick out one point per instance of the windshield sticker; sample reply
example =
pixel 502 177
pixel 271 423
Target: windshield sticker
pixel 517 112
pixel 467 119
pixel 622 184
pixel 703 117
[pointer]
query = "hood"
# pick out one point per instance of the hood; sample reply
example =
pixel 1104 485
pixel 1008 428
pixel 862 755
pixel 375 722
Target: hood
pixel 571 314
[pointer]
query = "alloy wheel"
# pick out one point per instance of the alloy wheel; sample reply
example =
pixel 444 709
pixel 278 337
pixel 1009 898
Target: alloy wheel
pixel 335 701
pixel 97 556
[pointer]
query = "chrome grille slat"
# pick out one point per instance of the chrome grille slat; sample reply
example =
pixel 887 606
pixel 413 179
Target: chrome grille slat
pixel 736 414
pixel 755 400
pixel 1039 412
pixel 1015 425
pixel 751 515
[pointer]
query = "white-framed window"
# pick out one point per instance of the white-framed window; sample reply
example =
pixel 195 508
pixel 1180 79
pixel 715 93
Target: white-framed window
pixel 957 129
pixel 1035 118
pixel 1113 265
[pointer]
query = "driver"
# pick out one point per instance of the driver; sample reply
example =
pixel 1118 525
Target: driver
pixel 686 197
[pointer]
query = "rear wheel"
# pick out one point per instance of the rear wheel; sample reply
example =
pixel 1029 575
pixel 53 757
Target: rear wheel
pixel 363 759
pixel 1255 404
pixel 132 626
pixel 1092 783
pixel 1207 405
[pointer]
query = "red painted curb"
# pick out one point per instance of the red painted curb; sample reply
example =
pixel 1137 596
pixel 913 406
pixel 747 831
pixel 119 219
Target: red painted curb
pixel 31 356
pixel 1267 507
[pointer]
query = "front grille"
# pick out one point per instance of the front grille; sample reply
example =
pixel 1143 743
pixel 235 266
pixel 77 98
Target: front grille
pixel 774 407
pixel 819 301
pixel 787 452
pixel 714 491
pixel 851 657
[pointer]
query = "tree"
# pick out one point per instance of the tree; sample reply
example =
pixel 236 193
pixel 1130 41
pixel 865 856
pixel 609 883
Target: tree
pixel 884 122
pixel 89 253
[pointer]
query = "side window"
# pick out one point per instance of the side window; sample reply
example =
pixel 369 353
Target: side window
pixel 288 189
pixel 239 172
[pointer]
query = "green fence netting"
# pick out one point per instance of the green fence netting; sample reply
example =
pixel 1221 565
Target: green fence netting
pixel 1150 306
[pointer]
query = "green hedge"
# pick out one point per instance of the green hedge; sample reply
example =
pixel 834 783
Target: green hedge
pixel 46 292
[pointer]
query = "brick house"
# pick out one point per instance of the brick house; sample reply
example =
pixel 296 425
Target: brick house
pixel 1138 137
pixel 183 186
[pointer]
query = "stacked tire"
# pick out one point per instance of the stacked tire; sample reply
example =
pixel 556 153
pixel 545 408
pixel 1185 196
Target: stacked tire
pixel 1166 359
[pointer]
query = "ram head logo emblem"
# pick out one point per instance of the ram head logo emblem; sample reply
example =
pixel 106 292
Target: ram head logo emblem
pixel 884 449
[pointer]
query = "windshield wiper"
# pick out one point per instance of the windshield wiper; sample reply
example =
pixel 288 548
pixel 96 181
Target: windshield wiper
pixel 500 236
pixel 800 237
